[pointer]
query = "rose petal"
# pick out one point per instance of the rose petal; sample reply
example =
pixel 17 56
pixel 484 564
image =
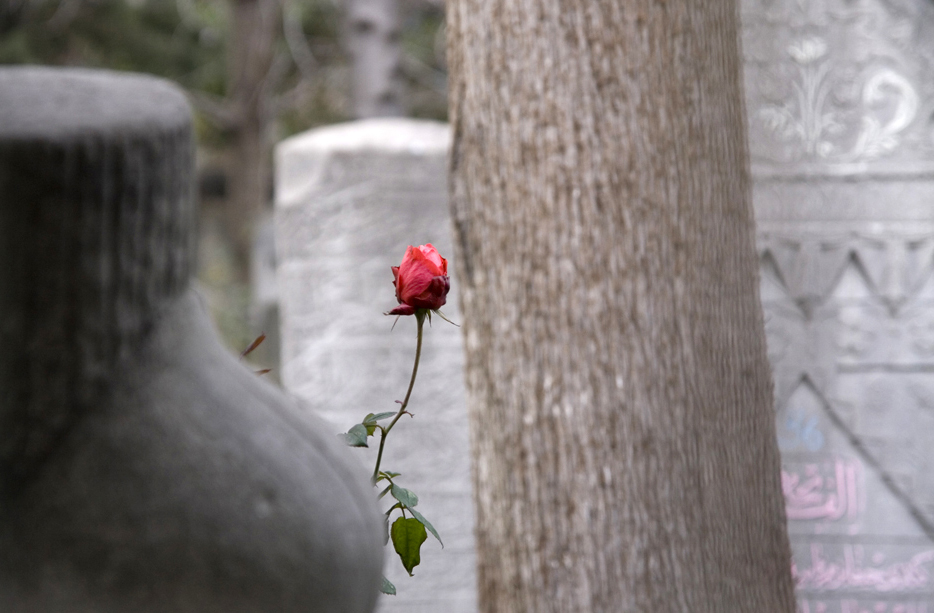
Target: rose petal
pixel 419 256
pixel 421 280
pixel 415 275
pixel 402 309
pixel 434 296
pixel 395 282
pixel 431 254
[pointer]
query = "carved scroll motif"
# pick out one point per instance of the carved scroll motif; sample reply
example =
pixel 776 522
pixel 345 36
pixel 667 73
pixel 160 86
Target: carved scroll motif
pixel 811 120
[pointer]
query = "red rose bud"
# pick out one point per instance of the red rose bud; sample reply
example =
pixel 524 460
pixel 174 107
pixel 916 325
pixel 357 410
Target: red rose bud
pixel 421 280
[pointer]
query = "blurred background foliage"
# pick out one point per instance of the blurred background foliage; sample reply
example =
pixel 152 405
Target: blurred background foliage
pixel 256 71
pixel 186 41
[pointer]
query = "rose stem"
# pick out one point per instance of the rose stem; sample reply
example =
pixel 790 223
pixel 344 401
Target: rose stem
pixel 420 318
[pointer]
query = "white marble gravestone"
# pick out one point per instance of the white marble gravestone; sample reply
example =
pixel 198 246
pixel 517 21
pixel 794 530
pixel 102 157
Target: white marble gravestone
pixel 841 111
pixel 350 198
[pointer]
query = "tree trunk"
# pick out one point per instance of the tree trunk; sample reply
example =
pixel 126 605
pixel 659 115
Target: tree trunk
pixel 255 30
pixel 620 396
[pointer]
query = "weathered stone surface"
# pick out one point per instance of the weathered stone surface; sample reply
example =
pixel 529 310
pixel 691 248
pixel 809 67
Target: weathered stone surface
pixel 841 110
pixel 350 198
pixel 141 467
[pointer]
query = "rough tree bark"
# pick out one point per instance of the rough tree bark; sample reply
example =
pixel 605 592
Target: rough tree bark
pixel 620 396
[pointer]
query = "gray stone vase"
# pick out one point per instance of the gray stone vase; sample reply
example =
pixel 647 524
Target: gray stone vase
pixel 142 468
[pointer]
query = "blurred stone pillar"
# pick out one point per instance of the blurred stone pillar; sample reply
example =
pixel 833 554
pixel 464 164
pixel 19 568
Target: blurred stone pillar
pixel 841 113
pixel 350 198
pixel 373 41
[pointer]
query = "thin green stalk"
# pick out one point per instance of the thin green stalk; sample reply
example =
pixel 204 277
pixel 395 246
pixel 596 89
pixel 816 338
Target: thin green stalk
pixel 420 319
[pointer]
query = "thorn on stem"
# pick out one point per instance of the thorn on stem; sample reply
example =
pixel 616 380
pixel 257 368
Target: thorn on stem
pixel 256 343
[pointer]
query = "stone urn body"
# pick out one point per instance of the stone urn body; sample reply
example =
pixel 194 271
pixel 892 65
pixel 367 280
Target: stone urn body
pixel 142 468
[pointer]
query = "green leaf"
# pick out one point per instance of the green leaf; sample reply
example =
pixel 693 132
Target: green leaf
pixel 427 524
pixel 370 420
pixel 408 534
pixel 384 492
pixel 356 436
pixel 406 497
pixel 387 587
pixel 369 425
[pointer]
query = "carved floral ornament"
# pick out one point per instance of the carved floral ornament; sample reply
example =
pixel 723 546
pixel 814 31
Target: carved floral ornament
pixel 840 82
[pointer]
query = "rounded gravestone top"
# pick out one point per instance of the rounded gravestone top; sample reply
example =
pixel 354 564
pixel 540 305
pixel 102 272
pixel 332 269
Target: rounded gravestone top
pixel 54 103
pixel 384 134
